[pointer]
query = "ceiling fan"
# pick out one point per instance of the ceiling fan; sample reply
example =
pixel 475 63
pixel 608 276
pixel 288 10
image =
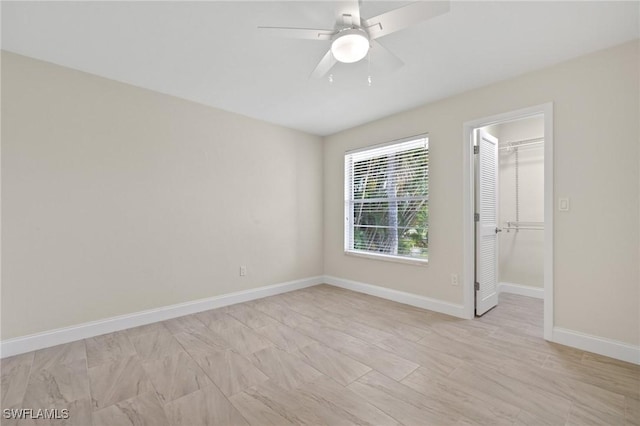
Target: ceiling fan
pixel 352 37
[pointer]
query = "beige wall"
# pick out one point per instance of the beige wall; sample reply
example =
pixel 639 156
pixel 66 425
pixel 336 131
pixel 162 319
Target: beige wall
pixel 118 199
pixel 521 254
pixel 596 109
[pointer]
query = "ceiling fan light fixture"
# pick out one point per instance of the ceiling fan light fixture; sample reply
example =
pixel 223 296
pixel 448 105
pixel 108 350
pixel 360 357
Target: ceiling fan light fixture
pixel 350 45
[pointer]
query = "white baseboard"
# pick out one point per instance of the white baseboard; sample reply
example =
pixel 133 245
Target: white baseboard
pixel 598 345
pixel 18 345
pixel 522 290
pixel 59 336
pixel 399 296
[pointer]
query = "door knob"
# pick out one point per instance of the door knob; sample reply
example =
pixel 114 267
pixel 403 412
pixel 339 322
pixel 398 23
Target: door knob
pixel 498 230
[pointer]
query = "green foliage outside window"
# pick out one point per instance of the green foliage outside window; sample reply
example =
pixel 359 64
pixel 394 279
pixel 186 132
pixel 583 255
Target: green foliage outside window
pixel 390 204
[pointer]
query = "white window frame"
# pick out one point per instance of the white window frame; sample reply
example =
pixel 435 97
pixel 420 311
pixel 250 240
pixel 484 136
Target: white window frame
pixel 371 152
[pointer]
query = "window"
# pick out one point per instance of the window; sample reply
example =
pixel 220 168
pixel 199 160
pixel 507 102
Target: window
pixel 387 200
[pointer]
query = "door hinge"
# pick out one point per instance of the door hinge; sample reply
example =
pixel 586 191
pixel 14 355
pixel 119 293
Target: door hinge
pixel 476 217
pixel 476 149
pixel 476 286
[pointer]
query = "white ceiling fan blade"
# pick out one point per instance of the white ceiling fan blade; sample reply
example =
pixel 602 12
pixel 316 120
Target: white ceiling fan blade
pixel 384 58
pixel 403 17
pixel 302 33
pixel 348 13
pixel 326 63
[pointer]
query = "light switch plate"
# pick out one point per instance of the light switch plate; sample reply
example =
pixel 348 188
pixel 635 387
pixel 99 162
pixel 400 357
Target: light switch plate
pixel 563 204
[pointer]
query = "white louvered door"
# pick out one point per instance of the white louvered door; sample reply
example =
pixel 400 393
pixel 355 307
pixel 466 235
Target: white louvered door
pixel 487 225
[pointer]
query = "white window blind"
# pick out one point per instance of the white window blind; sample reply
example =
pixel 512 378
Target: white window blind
pixel 387 199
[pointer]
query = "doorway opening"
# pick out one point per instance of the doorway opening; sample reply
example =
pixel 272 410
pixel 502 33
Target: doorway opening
pixel 508 223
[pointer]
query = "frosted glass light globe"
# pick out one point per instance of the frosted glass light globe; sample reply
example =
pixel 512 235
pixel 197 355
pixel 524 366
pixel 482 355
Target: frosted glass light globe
pixel 350 45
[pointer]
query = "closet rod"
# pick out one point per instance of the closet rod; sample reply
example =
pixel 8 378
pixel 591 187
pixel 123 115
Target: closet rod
pixel 524 142
pixel 528 226
pixel 521 228
pixel 515 223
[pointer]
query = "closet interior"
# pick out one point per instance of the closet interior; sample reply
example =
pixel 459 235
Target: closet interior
pixel 521 204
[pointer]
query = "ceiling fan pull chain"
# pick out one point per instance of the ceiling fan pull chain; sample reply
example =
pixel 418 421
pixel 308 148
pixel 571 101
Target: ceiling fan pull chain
pixel 369 67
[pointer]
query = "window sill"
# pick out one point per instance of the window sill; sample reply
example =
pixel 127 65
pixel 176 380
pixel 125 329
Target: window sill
pixel 388 258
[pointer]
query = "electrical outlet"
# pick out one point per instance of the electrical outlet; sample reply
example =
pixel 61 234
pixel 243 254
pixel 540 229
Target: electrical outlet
pixel 243 271
pixel 454 279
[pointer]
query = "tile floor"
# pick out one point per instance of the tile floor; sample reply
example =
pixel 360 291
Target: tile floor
pixel 325 355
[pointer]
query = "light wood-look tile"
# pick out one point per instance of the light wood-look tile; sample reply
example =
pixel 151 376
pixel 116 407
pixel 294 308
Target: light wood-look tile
pixel 499 320
pixel 583 394
pixel 356 329
pixel 156 344
pixel 238 336
pixel 400 329
pixel 80 414
pixel 108 348
pixel 401 402
pixel 184 324
pixel 621 383
pixel 217 318
pixel 231 372
pixel 334 364
pixel 175 376
pixel 371 317
pixel 59 355
pixel 418 318
pixel 327 356
pixel 142 410
pixel 284 337
pixel 486 356
pixel 473 409
pixel 15 376
pixel 58 380
pixel 516 337
pixel 586 415
pixel 285 403
pixel 288 370
pixel 527 418
pixel 350 405
pixel 609 364
pixel 57 384
pixel 300 303
pixel 632 411
pixel 371 355
pixel 250 317
pixel 256 412
pixel 547 408
pixel 205 407
pixel 201 341
pixel 144 329
pixel 280 313
pixel 462 330
pixel 508 349
pixel 433 360
pixel 116 381
pixel 294 406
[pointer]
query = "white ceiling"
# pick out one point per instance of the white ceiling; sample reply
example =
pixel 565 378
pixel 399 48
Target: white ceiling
pixel 211 52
